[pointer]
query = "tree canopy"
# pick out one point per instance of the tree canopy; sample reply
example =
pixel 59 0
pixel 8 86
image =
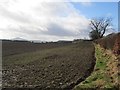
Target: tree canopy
pixel 99 26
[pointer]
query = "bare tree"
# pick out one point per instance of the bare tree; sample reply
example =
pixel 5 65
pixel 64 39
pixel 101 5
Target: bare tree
pixel 99 26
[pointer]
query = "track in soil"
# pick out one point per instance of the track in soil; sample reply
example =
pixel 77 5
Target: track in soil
pixel 57 67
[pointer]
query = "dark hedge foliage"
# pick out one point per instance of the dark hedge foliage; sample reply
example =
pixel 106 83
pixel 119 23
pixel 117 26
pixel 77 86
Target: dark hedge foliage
pixel 111 42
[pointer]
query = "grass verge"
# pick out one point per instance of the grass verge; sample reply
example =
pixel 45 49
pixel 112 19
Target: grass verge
pixel 105 74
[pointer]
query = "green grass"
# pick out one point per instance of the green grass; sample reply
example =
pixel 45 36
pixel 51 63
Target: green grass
pixel 99 78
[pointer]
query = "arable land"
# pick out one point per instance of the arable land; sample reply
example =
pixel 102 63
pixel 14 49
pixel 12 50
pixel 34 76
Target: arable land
pixel 50 65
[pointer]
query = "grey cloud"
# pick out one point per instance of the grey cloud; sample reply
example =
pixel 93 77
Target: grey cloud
pixel 20 17
pixel 47 16
pixel 55 29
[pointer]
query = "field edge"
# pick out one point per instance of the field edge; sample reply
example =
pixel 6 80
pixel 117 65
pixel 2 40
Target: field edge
pixel 105 74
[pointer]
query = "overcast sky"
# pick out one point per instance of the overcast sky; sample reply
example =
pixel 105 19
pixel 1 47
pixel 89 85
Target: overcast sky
pixel 51 21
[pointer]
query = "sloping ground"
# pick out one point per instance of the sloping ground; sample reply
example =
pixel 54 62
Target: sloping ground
pixel 17 47
pixel 105 74
pixel 60 67
pixel 116 48
pixel 110 42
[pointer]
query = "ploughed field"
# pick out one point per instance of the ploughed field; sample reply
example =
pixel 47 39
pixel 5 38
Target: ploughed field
pixel 51 66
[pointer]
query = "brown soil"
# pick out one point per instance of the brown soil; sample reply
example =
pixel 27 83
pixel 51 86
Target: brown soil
pixel 59 68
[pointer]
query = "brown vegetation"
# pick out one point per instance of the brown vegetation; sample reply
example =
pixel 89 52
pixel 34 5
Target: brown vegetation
pixel 116 48
pixel 110 42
